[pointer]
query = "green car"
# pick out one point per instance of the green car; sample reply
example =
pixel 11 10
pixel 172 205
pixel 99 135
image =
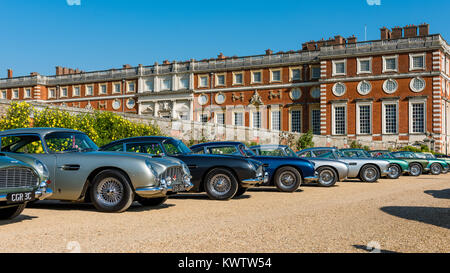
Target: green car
pixel 435 168
pixel 22 180
pixel 417 165
pixel 397 167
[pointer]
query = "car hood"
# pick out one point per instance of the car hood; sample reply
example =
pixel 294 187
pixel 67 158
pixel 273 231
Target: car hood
pixel 164 160
pixel 6 161
pixel 326 160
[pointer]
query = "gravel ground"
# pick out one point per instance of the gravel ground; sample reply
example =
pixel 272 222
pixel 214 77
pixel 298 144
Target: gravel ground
pixel 405 215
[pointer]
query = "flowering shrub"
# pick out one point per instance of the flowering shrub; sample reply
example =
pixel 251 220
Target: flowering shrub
pixel 101 127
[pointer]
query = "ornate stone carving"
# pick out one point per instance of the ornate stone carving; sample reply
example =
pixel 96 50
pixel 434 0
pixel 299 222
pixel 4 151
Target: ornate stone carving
pixel 273 94
pixel 102 105
pixel 256 99
pixel 235 98
pixel 165 106
pixel 89 106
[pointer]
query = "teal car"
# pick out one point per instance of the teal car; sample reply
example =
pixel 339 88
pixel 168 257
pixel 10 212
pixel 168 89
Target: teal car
pixel 436 165
pixel 397 167
pixel 21 181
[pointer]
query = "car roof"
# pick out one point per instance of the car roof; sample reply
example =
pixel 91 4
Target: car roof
pixel 140 138
pixel 319 148
pixel 218 143
pixel 268 146
pixel 39 131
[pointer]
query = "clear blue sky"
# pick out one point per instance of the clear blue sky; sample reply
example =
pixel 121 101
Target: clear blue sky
pixel 38 35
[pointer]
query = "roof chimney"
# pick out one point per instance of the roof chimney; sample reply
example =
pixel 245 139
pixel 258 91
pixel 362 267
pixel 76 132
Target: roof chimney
pixel 166 62
pixel 385 33
pixel 34 74
pixel 397 33
pixel 424 29
pixel 269 51
pixel 10 73
pixel 410 31
pixel 352 40
pixel 59 70
pixel 126 66
pixel 65 70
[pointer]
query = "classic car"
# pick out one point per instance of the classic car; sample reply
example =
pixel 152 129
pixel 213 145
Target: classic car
pixel 365 169
pixel 20 183
pixel 221 177
pixel 287 174
pixel 396 168
pixel 436 165
pixel 111 181
pixel 417 165
pixel 329 171
pixel 439 157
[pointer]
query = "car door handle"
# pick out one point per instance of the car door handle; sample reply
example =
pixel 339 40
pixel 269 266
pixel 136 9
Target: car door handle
pixel 192 166
pixel 353 164
pixel 70 167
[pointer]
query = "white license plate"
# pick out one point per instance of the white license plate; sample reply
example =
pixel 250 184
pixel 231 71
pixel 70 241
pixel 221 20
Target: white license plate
pixel 179 187
pixel 19 198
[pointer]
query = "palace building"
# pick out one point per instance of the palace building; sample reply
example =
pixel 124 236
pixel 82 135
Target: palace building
pixel 395 89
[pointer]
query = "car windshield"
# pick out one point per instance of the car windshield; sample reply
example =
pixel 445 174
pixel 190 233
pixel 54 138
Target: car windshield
pixel 175 147
pixel 382 155
pixel 246 150
pixel 355 153
pixel 290 152
pixel 64 142
pixel 271 151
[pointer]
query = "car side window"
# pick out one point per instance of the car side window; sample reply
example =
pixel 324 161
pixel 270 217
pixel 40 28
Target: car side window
pixel 22 144
pixel 115 148
pixel 305 154
pixel 225 150
pixel 145 148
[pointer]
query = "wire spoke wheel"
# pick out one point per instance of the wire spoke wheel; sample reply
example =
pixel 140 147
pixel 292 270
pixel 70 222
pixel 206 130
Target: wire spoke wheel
pixel 110 192
pixel 221 184
pixel 326 177
pixel 288 178
pixel 415 170
pixel 394 171
pixel 436 169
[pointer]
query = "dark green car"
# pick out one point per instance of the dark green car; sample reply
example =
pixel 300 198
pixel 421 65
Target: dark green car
pixel 21 181
pixel 417 165
pixel 397 167
pixel 436 165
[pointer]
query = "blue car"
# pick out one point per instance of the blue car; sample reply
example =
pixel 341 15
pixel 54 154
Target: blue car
pixel 287 174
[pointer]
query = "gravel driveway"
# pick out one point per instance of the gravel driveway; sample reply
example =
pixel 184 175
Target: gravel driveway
pixel 405 215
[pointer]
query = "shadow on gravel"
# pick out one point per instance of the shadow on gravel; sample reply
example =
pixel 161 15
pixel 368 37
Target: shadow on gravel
pixel 57 205
pixel 434 216
pixel 18 219
pixel 359 181
pixel 365 248
pixel 200 196
pixel 269 189
pixel 443 194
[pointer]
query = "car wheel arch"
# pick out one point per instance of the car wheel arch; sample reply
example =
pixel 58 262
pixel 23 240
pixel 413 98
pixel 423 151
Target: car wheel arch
pixel 370 164
pixel 282 166
pixel 87 185
pixel 331 167
pixel 202 183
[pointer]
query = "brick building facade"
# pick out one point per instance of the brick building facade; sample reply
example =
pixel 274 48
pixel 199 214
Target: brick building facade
pixel 395 89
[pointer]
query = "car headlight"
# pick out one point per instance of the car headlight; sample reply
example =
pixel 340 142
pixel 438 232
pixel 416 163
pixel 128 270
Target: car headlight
pixel 42 169
pixel 186 169
pixel 150 167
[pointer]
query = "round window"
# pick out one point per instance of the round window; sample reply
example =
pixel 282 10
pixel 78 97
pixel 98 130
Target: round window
pixel 417 84
pixel 364 88
pixel 203 99
pixel 339 89
pixel 131 103
pixel 296 94
pixel 220 98
pixel 390 86
pixel 315 92
pixel 116 104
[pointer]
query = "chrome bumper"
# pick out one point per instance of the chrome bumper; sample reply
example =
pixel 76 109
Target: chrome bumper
pixel 310 179
pixel 160 191
pixel 247 183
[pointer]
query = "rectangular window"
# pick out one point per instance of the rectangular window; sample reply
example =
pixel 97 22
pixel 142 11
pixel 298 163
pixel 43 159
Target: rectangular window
pixel 296 74
pixel 131 87
pixel 220 118
pixel 390 64
pixel 166 84
pixel 276 120
pixel 417 61
pixel 296 121
pixel 390 116
pixel 149 86
pixel 27 93
pixel 339 120
pixel 203 81
pixel 364 66
pixel 117 88
pixel 315 121
pixel 220 80
pixel 257 77
pixel 418 117
pixel 238 78
pixel 315 72
pixel 204 118
pixel 76 91
pixel 365 126
pixel 257 120
pixel 89 90
pixel 339 68
pixel 239 119
pixel 184 83
pixel 276 76
pixel 103 89
pixel 64 92
pixel 52 93
pixel 4 95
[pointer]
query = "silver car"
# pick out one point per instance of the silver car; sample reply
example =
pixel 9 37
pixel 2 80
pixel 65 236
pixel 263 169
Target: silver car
pixel 329 171
pixel 110 180
pixel 365 169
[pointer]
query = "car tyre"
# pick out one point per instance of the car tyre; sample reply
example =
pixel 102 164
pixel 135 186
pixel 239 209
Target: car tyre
pixel 240 191
pixel 327 177
pixel 152 202
pixel 11 212
pixel 436 169
pixel 369 173
pixel 111 192
pixel 415 169
pixel 288 179
pixel 395 171
pixel 221 184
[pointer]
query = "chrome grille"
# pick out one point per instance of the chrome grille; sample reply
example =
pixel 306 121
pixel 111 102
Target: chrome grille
pixel 17 178
pixel 173 172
